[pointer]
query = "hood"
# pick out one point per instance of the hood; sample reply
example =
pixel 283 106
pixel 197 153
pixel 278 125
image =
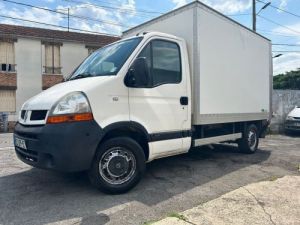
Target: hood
pixel 46 99
pixel 295 112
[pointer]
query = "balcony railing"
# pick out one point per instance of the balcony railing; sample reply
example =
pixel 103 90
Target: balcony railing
pixel 52 70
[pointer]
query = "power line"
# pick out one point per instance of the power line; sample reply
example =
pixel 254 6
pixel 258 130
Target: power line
pixel 53 25
pixel 271 21
pixel 121 10
pixel 241 14
pixel 138 10
pixel 66 14
pixel 280 9
pixel 286 44
pixel 276 33
pixel 286 51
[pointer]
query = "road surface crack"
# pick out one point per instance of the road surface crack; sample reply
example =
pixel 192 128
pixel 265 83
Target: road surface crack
pixel 261 205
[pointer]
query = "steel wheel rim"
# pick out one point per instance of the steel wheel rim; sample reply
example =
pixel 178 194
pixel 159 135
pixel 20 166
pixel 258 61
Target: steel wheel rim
pixel 252 140
pixel 117 165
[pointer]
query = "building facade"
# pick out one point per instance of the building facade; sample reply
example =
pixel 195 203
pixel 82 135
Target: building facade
pixel 34 59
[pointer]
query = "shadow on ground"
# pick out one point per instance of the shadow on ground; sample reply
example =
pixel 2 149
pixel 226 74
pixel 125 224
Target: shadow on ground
pixel 56 197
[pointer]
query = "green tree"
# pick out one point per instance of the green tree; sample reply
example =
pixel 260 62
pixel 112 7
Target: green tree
pixel 289 80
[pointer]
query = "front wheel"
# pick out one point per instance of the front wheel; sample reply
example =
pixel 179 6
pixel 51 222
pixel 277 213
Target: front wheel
pixel 118 165
pixel 249 141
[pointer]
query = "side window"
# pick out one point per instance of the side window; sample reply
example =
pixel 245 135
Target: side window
pixel 146 53
pixel 163 59
pixel 166 63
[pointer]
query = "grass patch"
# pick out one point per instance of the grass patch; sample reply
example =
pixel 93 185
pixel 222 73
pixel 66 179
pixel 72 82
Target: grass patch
pixel 149 222
pixel 273 178
pixel 178 216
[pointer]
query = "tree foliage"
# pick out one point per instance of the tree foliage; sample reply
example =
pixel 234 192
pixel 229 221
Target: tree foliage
pixel 289 80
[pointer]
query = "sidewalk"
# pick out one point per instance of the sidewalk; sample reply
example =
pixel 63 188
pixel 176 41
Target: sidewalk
pixel 268 202
pixel 6 140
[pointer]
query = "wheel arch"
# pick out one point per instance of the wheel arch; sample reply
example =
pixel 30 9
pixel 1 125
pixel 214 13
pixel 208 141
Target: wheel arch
pixel 130 129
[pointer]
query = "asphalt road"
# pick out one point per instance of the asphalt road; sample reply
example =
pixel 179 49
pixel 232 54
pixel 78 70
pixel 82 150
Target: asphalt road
pixel 34 196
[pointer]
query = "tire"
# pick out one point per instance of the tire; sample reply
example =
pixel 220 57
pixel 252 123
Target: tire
pixel 250 139
pixel 122 162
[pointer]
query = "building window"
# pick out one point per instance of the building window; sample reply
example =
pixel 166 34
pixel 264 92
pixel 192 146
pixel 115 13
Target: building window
pixel 7 56
pixel 52 59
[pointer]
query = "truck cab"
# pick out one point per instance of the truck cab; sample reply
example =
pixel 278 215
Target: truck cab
pixel 135 92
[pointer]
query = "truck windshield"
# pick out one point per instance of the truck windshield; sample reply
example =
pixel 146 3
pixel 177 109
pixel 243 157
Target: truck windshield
pixel 107 60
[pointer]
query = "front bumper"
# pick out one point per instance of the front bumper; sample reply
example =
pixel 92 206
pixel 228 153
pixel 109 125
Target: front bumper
pixel 67 147
pixel 292 125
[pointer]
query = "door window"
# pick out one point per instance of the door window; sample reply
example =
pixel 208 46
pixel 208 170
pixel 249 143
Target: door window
pixel 163 59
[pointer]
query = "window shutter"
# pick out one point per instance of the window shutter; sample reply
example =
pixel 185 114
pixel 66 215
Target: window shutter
pixel 7 101
pixel 3 47
pixel 56 56
pixel 48 55
pixel 10 53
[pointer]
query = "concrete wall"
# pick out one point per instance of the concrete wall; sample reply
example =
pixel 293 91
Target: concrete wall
pixel 71 55
pixel 283 102
pixel 28 55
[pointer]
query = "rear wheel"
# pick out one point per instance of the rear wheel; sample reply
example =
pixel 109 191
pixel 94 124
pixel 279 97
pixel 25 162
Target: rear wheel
pixel 118 165
pixel 249 141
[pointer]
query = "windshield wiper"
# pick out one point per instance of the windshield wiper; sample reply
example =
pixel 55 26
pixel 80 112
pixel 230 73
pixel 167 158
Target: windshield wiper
pixel 82 75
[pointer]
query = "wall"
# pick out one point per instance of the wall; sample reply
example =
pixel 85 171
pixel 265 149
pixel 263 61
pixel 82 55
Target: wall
pixel 283 102
pixel 28 55
pixel 71 55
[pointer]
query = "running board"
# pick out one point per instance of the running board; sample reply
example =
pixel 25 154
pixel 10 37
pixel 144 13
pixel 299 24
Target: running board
pixel 217 139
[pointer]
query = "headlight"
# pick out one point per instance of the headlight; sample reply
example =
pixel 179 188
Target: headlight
pixel 289 118
pixel 72 107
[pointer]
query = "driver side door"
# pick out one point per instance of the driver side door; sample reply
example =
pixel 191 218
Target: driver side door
pixel 159 106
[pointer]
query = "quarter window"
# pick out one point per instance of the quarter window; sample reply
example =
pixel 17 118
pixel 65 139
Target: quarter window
pixel 163 59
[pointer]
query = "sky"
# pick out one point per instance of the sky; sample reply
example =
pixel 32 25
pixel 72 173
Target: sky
pixel 113 17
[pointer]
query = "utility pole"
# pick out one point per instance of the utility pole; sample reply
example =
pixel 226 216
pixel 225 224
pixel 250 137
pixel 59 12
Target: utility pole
pixel 68 19
pixel 254 15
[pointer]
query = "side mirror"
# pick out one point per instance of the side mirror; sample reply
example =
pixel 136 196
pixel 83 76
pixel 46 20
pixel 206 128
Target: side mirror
pixel 138 73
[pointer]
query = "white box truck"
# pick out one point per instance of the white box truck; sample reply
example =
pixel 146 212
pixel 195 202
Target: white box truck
pixel 188 78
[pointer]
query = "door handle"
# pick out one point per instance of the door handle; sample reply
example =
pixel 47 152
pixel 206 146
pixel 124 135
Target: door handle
pixel 184 100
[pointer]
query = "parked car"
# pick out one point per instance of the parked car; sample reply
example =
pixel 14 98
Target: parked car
pixel 292 122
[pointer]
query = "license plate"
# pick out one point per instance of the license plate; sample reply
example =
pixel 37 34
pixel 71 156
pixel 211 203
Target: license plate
pixel 20 143
pixel 297 124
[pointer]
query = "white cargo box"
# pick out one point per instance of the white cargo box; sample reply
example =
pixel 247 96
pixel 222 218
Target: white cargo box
pixel 231 66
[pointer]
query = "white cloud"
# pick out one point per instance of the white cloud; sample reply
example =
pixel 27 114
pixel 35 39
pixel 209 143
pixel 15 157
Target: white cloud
pixel 179 3
pixel 287 62
pixel 294 30
pixel 283 4
pixel 33 14
pixel 224 6
pixel 108 19
pixel 229 6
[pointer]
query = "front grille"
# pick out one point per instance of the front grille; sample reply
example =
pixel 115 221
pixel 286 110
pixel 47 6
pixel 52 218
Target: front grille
pixel 38 114
pixel 27 154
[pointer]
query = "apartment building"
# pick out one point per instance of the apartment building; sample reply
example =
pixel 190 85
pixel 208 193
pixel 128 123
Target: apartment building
pixel 34 59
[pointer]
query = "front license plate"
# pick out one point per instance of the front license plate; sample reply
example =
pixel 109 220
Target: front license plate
pixel 20 143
